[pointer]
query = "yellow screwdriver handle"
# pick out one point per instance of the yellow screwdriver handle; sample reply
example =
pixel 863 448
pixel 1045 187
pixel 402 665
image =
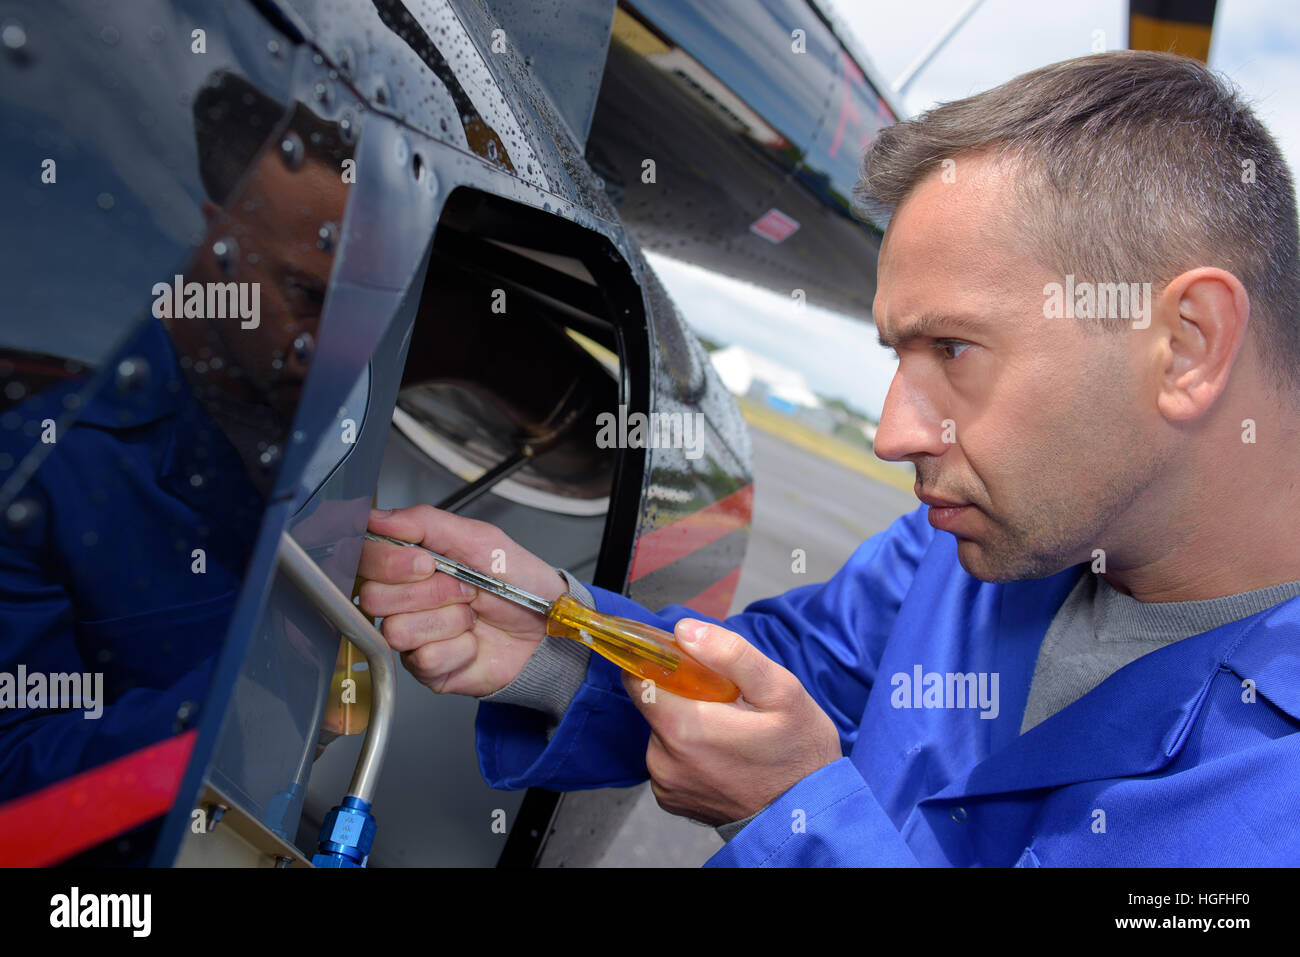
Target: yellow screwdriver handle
pixel 641 649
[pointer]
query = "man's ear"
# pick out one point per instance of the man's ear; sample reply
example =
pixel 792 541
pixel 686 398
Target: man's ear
pixel 212 213
pixel 1202 317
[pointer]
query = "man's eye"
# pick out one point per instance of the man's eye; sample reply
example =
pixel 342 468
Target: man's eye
pixel 951 348
pixel 310 294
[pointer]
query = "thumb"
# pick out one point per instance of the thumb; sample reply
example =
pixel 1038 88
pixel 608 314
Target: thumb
pixel 731 656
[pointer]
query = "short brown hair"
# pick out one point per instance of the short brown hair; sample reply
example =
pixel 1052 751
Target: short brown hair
pixel 1130 166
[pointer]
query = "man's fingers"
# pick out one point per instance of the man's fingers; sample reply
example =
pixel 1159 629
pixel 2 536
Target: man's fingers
pixel 410 630
pixel 459 538
pixel 393 563
pixel 479 545
pixel 674 720
pixel 656 756
pixel 758 677
pixel 449 534
pixel 379 599
pixel 431 663
pixel 412 524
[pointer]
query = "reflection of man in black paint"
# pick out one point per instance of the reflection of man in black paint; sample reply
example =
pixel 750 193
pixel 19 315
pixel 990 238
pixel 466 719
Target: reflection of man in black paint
pixel 147 508
pixel 273 219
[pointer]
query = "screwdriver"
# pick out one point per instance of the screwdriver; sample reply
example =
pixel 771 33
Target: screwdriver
pixel 639 648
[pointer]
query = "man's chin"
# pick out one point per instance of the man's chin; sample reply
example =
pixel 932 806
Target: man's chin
pixel 979 563
pixel 973 560
pixel 1001 567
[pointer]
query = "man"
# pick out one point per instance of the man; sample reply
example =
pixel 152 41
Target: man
pixel 146 511
pixel 1085 647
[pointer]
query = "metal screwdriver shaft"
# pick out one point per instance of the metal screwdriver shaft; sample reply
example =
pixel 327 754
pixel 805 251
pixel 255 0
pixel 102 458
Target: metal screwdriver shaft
pixel 471 577
pixel 636 647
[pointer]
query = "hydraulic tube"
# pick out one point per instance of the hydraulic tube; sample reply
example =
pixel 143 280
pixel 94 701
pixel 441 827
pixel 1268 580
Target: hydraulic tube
pixel 348 831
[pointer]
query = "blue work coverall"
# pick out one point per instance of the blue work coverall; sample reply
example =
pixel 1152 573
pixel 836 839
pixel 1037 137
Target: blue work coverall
pixel 1189 755
pixel 104 579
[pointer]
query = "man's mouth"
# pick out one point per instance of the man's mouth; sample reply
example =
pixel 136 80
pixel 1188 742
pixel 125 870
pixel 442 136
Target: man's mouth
pixel 946 514
pixel 934 501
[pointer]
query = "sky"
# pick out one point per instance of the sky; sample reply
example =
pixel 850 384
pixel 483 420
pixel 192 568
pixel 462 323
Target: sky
pixel 1256 44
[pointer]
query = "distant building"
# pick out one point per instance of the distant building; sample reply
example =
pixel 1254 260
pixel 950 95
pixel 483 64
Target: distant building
pixel 759 379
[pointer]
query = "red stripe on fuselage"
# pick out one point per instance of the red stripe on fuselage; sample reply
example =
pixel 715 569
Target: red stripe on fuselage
pixel 715 600
pixel 75 814
pixel 663 546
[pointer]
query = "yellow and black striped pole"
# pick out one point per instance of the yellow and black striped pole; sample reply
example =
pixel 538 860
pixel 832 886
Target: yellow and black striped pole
pixel 1172 26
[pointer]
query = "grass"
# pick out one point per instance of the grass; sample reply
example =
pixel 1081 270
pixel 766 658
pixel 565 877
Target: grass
pixel 826 446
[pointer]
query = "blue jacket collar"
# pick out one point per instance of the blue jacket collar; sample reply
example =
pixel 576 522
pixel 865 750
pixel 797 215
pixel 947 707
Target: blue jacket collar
pixel 156 397
pixel 193 445
pixel 1136 721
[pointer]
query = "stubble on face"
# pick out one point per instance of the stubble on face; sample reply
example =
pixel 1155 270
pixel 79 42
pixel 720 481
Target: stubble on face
pixel 1069 483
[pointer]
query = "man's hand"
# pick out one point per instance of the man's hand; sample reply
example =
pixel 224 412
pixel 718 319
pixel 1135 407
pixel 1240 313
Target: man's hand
pixel 722 762
pixel 452 637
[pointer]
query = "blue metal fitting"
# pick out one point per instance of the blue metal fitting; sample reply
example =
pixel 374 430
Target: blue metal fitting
pixel 346 835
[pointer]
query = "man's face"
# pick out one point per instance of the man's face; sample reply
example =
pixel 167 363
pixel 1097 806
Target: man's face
pixel 276 218
pixel 293 271
pixel 1035 424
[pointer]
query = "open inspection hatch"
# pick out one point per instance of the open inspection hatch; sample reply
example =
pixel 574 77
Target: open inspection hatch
pixel 495 418
pixel 506 395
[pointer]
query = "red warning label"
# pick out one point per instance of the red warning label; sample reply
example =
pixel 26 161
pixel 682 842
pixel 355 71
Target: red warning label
pixel 774 226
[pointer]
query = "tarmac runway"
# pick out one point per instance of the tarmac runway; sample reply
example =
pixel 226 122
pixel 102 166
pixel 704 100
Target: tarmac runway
pixel 801 502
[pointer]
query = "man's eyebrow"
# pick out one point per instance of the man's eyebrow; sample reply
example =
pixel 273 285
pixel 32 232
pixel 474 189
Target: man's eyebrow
pixel 926 325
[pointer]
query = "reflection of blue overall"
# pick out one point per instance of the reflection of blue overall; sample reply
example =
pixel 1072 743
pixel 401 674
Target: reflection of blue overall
pixel 104 578
pixel 1189 755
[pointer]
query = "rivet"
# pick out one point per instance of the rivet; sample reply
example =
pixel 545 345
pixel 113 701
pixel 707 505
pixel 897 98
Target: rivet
pixel 327 236
pixel 226 251
pixel 345 58
pixel 347 129
pixel 291 150
pixel 303 347
pixel 132 373
pixel 13 36
pixel 22 513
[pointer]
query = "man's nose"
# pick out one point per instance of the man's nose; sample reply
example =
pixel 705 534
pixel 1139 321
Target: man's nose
pixel 910 424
